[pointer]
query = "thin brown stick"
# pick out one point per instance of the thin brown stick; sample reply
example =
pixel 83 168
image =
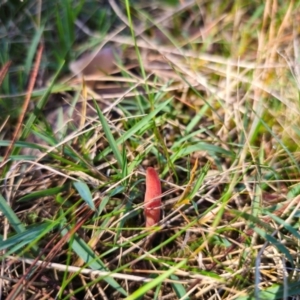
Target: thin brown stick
pixel 26 102
pixel 4 70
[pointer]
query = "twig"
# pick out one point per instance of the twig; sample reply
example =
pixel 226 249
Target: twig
pixel 26 103
pixel 4 70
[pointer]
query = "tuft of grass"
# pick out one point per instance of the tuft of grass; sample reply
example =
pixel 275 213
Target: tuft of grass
pixel 207 94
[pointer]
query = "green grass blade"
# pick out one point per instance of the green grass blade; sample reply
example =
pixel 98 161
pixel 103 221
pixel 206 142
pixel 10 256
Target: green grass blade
pixel 178 288
pixel 19 240
pixel 32 49
pixel 199 180
pixel 110 137
pixel 201 146
pixel 43 193
pixel 12 218
pixel 85 193
pixel 190 137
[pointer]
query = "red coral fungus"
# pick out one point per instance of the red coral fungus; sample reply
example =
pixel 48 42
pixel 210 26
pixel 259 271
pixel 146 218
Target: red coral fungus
pixel 152 198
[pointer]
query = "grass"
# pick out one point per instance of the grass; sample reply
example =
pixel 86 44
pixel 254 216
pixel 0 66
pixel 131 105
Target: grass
pixel 207 94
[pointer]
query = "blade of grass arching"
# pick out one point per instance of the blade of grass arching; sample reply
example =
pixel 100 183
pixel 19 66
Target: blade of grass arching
pixel 85 193
pixel 44 193
pixel 144 122
pixel 178 288
pixel 19 157
pixel 62 87
pixel 40 104
pixel 158 280
pixel 12 218
pixel 32 50
pixel 201 146
pixel 109 136
pixel 47 137
pixel 19 240
pixel 190 137
pixel 21 145
pixel 31 236
pixel 34 146
pixel 80 247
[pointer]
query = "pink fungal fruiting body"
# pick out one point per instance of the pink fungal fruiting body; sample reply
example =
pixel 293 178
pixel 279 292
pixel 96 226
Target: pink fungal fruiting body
pixel 152 198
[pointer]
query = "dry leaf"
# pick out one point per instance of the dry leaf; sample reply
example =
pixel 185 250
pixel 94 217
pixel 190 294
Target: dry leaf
pixel 100 62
